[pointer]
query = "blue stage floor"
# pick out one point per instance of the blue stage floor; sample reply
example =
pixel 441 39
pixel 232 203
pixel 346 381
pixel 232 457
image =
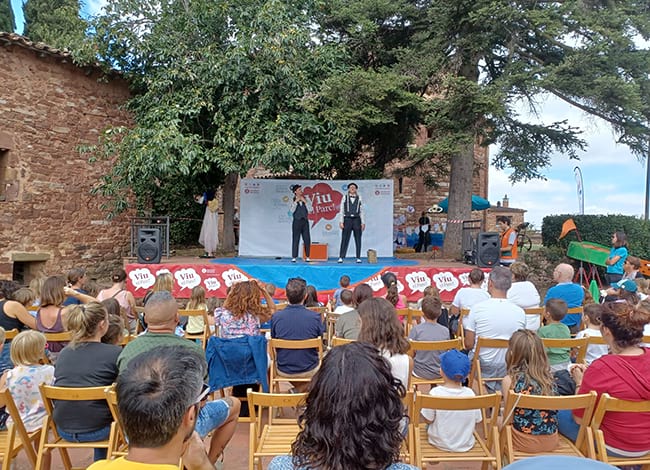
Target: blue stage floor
pixel 321 274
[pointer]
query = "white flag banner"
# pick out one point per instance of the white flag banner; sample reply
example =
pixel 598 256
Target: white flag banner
pixel 265 217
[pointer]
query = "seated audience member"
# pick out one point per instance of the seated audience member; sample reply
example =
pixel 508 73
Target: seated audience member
pixel 631 267
pixel 349 324
pixel 86 362
pixel 159 396
pixel 297 322
pixel 592 329
pixel 24 296
pixel 126 300
pixel 113 308
pixel 452 430
pixel 467 297
pixel 162 317
pixel 533 431
pixel 36 285
pixel 443 319
pixel 554 311
pixel 426 364
pixel 24 380
pixel 523 293
pixel 12 315
pixel 642 288
pixel 381 328
pixel 624 374
pixel 496 318
pixel 353 382
pixel 344 283
pixel 624 290
pixel 76 280
pixel 116 331
pixel 392 292
pixel 346 306
pixel 311 299
pixel 617 256
pixel 573 294
pixel 196 325
pixel 164 283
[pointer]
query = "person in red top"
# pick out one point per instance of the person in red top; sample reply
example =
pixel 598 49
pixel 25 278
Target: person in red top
pixel 624 374
pixel 508 241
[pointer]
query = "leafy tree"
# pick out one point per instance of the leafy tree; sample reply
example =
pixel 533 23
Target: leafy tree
pixel 54 22
pixel 473 62
pixel 219 88
pixel 7 20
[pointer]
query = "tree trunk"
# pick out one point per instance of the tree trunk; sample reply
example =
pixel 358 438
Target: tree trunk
pixel 460 200
pixel 229 187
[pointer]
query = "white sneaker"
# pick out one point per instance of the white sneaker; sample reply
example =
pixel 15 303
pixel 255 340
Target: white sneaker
pixel 358 260
pixel 340 260
pixel 293 260
pixel 308 260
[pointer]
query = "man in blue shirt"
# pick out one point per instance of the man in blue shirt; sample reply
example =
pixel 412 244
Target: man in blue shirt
pixel 573 294
pixel 296 322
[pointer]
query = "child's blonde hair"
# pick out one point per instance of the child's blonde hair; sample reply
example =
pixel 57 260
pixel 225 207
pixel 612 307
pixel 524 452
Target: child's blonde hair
pixel 28 348
pixel 526 355
pixel 197 298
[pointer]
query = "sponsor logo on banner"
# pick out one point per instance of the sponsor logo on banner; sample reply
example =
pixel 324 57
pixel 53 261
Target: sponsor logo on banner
pixel 445 281
pixel 232 276
pixel 212 283
pixel 142 278
pixel 187 278
pixel 325 202
pixel 251 187
pixel 418 281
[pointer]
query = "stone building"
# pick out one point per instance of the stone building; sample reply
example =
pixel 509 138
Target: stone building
pixel 49 222
pixel 503 208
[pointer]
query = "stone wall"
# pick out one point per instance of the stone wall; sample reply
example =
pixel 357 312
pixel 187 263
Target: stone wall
pixel 49 222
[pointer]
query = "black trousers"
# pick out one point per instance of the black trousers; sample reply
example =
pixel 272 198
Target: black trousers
pixel 351 225
pixel 300 228
pixel 423 241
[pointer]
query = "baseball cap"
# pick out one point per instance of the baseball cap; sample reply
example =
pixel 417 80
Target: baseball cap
pixel 293 187
pixel 625 284
pixel 455 365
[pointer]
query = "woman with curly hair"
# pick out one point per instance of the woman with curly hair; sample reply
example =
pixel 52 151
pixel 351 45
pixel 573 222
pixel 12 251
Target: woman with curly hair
pixel 623 373
pixel 353 415
pixel 381 328
pixel 243 311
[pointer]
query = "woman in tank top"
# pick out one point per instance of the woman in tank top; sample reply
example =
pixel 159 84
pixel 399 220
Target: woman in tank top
pixel 118 292
pixel 13 315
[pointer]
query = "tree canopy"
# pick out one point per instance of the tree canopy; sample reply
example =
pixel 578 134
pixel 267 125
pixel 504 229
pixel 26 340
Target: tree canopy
pixel 54 22
pixel 340 87
pixel 7 20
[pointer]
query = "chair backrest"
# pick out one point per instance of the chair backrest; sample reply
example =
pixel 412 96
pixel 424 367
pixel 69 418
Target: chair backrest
pixel 412 315
pixel 202 313
pixel 11 334
pixel 336 341
pixel 313 343
pixel 539 311
pixel 111 399
pixel 490 402
pixel 445 345
pixel 596 340
pixel 482 343
pixel 49 393
pixel 258 401
pixel 608 403
pixel 585 402
pixel 461 332
pixel 575 310
pixel 58 337
pixel 7 401
pixel 579 343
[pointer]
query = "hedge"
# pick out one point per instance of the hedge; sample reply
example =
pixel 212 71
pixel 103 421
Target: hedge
pixel 599 229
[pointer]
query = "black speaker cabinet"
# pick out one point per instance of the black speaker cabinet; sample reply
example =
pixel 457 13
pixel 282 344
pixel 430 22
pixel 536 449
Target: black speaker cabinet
pixel 487 249
pixel 149 245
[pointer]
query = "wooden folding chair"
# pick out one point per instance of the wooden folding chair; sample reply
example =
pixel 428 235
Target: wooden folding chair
pixel 461 332
pixel 139 319
pixel 330 327
pixel 336 341
pixel 578 310
pixel 11 334
pixel 120 445
pixel 407 450
pixel 583 446
pixel 579 344
pixel 49 394
pixel 16 437
pixel 606 403
pixel 485 450
pixel 414 315
pixel 277 376
pixel 203 336
pixel 62 337
pixel 475 371
pixel 275 437
pixel 432 346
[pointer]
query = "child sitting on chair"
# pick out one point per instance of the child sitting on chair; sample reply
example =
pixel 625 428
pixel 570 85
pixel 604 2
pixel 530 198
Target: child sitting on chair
pixel 555 310
pixel 452 430
pixel 426 364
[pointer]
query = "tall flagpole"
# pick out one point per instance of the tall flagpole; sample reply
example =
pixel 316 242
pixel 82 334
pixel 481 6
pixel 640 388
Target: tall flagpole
pixel 581 194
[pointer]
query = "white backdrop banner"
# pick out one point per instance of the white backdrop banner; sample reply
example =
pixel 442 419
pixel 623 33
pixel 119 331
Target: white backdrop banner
pixel 265 220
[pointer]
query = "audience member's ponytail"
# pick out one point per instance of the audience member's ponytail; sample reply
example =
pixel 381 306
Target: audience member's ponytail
pixel 84 320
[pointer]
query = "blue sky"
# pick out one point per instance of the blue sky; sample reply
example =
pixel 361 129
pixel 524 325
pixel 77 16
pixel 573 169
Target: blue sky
pixel 614 180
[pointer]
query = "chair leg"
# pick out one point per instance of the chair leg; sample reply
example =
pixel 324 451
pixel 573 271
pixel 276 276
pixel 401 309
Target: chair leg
pixel 41 446
pixel 65 458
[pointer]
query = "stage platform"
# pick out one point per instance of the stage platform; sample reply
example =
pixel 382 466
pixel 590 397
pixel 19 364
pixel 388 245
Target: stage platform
pixel 216 275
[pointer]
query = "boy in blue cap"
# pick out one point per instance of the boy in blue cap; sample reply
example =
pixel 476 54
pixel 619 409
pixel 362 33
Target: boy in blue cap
pixel 452 430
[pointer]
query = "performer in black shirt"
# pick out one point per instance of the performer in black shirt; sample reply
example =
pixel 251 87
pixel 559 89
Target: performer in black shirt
pixel 300 207
pixel 351 220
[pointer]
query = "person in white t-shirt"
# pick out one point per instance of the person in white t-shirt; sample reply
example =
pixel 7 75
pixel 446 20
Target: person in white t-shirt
pixel 523 293
pixel 346 302
pixel 592 323
pixel 452 430
pixel 466 297
pixel 496 318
